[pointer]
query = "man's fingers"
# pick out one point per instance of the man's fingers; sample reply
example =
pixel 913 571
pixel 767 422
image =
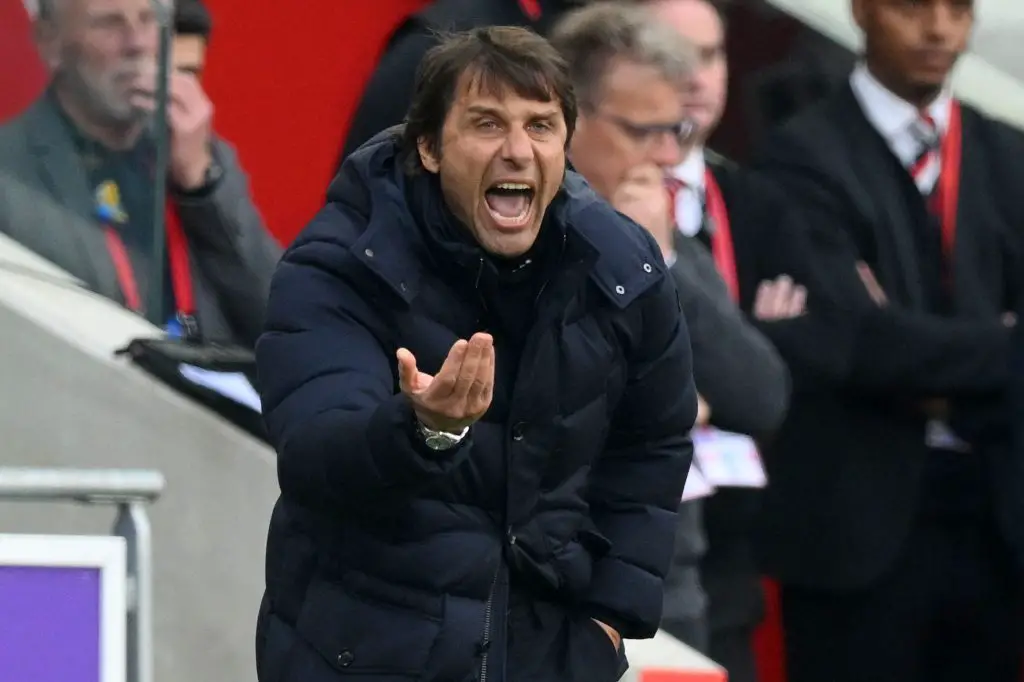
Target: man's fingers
pixel 407 372
pixel 777 295
pixel 784 286
pixel 478 345
pixel 761 300
pixel 703 412
pixel 798 301
pixel 779 298
pixel 444 380
pixel 875 290
pixel 467 373
pixel 482 390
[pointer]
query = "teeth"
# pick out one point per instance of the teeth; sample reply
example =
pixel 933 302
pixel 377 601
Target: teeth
pixel 513 186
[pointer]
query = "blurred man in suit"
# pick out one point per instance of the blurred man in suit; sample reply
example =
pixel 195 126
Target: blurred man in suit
pixel 728 219
pixel 883 519
pixel 633 129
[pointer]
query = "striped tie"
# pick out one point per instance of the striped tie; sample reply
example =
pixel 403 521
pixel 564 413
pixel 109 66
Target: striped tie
pixel 673 186
pixel 704 230
pixel 928 165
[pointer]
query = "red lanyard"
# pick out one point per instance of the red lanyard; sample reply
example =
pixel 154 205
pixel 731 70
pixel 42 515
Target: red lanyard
pixel 531 8
pixel 721 236
pixel 946 197
pixel 177 252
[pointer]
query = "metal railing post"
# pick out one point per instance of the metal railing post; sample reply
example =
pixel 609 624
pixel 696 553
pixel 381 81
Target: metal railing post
pixel 132 524
pixel 130 491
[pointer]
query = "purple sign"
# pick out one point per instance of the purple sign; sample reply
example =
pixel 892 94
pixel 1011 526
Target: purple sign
pixel 50 624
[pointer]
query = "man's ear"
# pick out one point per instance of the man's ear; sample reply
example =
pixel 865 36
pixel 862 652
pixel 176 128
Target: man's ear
pixel 429 160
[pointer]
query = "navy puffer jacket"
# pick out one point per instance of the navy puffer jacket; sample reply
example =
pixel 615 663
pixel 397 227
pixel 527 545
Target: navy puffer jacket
pixel 387 561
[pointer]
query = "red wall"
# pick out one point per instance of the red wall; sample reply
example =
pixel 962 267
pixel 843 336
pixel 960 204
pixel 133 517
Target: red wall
pixel 21 72
pixel 285 79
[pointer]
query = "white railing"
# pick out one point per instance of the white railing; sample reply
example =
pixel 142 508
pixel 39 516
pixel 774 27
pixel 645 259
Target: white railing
pixel 130 491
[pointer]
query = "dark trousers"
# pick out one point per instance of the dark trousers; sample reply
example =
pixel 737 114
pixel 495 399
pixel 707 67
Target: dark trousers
pixel 950 609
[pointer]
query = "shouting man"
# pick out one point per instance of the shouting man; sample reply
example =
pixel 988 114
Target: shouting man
pixel 478 381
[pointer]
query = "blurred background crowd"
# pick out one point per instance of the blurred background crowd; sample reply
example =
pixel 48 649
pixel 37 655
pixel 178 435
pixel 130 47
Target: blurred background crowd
pixel 845 235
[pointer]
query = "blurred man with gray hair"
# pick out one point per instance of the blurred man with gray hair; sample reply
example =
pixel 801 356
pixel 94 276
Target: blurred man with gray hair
pixel 630 73
pixel 87 145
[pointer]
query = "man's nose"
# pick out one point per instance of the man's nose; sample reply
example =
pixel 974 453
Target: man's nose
pixel 940 22
pixel 518 148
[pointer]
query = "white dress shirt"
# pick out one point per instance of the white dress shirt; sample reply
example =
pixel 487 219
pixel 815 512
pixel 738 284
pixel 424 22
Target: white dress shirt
pixel 899 121
pixel 689 208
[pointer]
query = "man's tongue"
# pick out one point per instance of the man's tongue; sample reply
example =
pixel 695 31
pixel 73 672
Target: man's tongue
pixel 507 204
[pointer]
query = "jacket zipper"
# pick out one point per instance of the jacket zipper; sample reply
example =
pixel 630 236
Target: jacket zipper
pixel 509 535
pixel 488 615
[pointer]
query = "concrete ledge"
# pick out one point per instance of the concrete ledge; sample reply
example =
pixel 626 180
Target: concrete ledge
pixel 53 299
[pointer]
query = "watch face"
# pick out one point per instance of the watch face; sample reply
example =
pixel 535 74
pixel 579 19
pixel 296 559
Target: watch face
pixel 438 442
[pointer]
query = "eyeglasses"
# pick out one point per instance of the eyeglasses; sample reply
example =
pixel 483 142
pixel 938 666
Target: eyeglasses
pixel 646 133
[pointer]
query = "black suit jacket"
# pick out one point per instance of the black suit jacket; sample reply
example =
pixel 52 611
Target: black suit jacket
pixel 1011 466
pixel 846 469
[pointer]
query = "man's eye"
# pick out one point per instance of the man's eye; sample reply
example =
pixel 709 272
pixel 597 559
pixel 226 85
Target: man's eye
pixel 540 127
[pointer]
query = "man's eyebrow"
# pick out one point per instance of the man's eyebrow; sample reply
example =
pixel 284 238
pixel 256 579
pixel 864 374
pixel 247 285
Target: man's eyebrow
pixel 547 114
pixel 481 109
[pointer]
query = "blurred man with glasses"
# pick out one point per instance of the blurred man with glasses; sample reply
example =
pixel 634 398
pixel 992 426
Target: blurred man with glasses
pixel 727 221
pixel 630 74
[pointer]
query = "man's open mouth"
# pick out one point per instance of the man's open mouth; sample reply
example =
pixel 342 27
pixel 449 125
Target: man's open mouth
pixel 509 203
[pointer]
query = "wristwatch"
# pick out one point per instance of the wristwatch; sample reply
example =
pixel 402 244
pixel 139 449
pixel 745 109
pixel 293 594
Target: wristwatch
pixel 439 441
pixel 211 177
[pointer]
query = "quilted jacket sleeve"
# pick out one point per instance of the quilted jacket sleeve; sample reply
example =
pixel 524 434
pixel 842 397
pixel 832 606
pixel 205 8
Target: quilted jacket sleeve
pixel 636 486
pixel 327 381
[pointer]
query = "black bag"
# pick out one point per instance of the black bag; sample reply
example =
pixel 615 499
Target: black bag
pixel 163 359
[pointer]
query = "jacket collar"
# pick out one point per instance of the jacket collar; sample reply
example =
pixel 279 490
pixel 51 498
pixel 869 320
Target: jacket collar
pixel 624 263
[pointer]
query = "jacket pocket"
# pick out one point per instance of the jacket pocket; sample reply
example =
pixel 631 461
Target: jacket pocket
pixel 363 626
